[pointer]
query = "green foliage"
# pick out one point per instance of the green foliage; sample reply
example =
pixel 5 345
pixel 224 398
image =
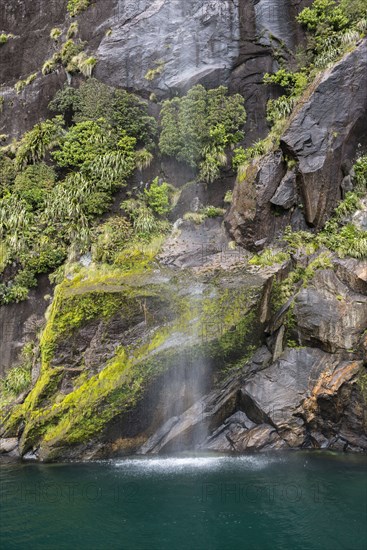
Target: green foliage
pixel 5 37
pixel 82 144
pixel 49 66
pixel 196 127
pixel 213 211
pixel 82 63
pixel 55 33
pixel 69 50
pixel 293 83
pixel 360 169
pixel 346 241
pixel 37 142
pixel 110 239
pixel 145 210
pixel 355 9
pixel 228 197
pixel 269 257
pixel 242 157
pixel 21 84
pixel 42 218
pixel 72 30
pixel 152 74
pixel 122 110
pixel 208 212
pixel 279 109
pixel 323 17
pixel 8 172
pixel 64 102
pixel 77 6
pixel 142 217
pixel 19 378
pixel 143 159
pixel 34 183
pixel 157 197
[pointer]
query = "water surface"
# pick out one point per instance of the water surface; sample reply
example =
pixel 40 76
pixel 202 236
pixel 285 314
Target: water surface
pixel 310 501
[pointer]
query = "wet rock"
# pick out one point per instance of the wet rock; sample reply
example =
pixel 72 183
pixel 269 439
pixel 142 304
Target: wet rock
pixel 8 445
pixel 19 323
pixel 329 315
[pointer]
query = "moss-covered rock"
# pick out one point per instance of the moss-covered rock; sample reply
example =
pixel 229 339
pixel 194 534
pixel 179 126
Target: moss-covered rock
pixel 111 335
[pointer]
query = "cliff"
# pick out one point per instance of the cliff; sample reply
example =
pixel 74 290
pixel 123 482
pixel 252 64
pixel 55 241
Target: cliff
pixel 160 330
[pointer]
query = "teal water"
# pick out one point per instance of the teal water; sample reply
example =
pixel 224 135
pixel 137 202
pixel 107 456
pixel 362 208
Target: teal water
pixel 309 501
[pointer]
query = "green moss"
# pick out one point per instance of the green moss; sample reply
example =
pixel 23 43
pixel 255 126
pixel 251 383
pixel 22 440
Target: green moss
pixel 215 327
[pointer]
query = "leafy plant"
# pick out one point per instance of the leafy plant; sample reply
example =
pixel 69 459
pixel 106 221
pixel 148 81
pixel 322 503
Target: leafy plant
pixel 157 197
pixel 77 6
pixel 5 37
pixel 37 142
pixel 33 184
pixel 269 257
pixel 55 33
pixel 21 84
pixel 110 239
pixel 196 127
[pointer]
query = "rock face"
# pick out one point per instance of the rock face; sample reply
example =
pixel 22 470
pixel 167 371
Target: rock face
pixel 160 46
pixel 324 133
pixel 170 45
pixel 251 218
pixel 322 137
pixel 329 314
pixel 19 324
pixel 307 398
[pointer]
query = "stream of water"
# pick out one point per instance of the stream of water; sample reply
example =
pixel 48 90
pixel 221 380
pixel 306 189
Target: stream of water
pixel 294 501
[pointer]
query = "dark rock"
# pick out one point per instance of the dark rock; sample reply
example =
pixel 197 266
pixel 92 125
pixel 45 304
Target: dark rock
pixel 326 130
pixel 286 194
pixel 329 315
pixel 250 218
pixel 19 323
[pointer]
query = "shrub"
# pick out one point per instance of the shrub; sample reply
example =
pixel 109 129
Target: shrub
pixel 122 110
pixel 83 64
pixel 323 17
pixel 228 197
pixel 49 66
pixel 110 239
pixel 278 109
pixel 5 37
pixel 55 33
pixel 293 83
pixel 81 144
pixel 269 257
pixel 72 30
pixel 37 142
pixel 143 159
pixel 77 6
pixel 157 197
pixel 213 212
pixel 33 184
pixel 360 169
pixel 69 50
pixel 196 121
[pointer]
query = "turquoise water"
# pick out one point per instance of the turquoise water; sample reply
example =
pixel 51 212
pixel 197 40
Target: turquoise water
pixel 293 501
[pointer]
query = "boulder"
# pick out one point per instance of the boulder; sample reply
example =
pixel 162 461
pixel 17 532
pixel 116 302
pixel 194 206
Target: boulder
pixel 286 194
pixel 325 131
pixel 250 218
